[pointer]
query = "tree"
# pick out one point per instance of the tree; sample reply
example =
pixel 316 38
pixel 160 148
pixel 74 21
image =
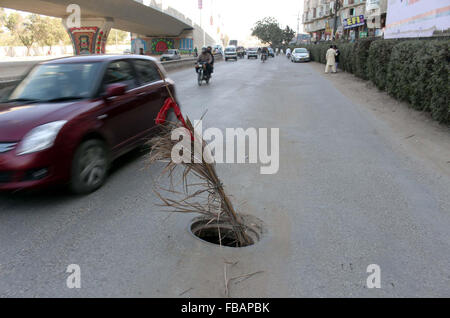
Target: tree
pixel 48 31
pixel 268 31
pixel 288 35
pixel 2 19
pixel 118 37
pixel 22 28
pixel 6 38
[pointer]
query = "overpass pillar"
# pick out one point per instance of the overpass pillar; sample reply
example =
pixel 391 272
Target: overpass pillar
pixel 91 36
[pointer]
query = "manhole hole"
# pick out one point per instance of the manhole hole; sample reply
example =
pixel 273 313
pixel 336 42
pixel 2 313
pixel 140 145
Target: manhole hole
pixel 220 233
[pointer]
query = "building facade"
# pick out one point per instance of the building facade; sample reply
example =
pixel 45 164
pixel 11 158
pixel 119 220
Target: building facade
pixel 325 20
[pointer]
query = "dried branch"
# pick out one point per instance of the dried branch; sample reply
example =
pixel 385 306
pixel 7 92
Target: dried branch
pixel 207 197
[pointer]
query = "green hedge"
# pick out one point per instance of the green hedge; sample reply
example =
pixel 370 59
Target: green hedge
pixel 361 56
pixel 377 64
pixel 416 71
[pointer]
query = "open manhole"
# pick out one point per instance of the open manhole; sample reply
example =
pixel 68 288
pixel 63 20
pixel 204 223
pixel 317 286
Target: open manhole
pixel 222 234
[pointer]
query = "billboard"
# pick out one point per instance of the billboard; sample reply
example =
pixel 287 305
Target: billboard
pixel 354 22
pixel 416 18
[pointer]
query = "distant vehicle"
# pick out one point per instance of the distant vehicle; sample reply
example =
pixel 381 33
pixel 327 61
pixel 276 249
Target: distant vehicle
pixel 240 52
pixel 171 55
pixel 233 43
pixel 231 53
pixel 300 55
pixel 271 52
pixel 202 74
pixel 252 53
pixel 76 116
pixel 127 51
pixel 217 50
pixel 264 57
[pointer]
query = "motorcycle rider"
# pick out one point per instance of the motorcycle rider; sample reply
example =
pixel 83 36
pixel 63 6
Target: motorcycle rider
pixel 205 57
pixel 209 49
pixel 288 52
pixel 264 53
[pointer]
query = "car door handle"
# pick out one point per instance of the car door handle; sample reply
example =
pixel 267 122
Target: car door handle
pixel 102 117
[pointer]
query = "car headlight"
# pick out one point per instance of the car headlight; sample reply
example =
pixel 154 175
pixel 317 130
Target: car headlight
pixel 40 138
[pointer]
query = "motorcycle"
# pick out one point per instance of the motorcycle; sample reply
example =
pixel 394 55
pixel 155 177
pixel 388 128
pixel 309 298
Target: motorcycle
pixel 264 57
pixel 202 73
pixel 288 56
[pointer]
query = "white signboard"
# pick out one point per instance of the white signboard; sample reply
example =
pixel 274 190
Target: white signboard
pixel 372 5
pixel 416 18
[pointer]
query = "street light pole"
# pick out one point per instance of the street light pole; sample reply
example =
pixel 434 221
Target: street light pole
pixel 200 6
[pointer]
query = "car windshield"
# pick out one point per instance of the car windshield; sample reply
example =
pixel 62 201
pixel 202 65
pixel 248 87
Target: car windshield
pixel 300 51
pixel 230 49
pixel 51 82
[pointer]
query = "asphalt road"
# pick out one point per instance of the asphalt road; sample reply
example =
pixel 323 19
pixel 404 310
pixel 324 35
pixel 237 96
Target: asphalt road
pixel 345 197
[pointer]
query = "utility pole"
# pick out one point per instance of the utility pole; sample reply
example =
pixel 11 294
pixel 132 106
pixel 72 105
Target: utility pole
pixel 337 7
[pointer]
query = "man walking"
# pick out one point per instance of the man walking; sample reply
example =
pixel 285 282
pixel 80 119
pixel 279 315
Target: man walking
pixel 331 60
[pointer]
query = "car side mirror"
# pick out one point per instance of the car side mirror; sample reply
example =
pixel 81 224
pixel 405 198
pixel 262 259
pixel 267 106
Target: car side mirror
pixel 116 90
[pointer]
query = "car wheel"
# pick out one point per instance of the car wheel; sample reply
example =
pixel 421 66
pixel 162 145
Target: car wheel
pixel 89 167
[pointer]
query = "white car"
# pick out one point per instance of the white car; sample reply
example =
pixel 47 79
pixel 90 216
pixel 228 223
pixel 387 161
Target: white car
pixel 231 53
pixel 300 55
pixel 170 55
pixel 252 53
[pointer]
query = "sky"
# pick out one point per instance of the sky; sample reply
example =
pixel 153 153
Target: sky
pixel 239 16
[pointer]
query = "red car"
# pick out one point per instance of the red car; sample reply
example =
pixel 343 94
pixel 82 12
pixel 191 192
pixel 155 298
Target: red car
pixel 70 118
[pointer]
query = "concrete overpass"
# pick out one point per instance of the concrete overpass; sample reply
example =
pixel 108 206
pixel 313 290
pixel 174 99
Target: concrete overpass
pixel 99 16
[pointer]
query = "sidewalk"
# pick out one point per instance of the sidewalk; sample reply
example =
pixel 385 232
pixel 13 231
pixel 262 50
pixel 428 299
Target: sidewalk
pixel 415 131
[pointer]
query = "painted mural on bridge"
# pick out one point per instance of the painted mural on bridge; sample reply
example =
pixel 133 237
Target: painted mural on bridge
pixel 88 40
pixel 159 46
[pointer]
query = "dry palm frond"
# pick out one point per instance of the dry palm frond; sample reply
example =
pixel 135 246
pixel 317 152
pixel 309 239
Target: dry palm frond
pixel 208 196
